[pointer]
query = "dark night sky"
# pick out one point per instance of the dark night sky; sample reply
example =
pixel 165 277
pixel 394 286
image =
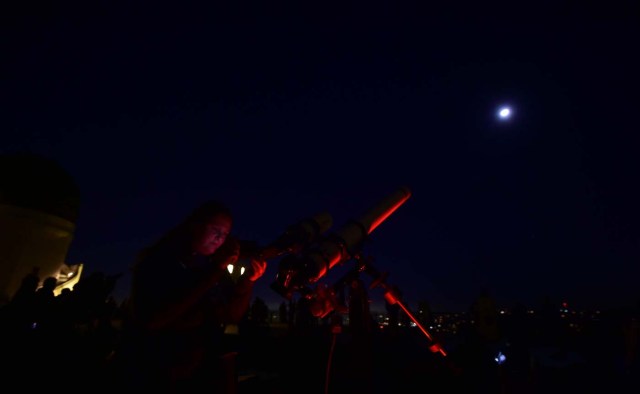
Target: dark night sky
pixel 283 112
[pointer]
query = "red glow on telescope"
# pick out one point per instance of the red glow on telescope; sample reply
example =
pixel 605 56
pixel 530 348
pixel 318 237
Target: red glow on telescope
pixel 388 212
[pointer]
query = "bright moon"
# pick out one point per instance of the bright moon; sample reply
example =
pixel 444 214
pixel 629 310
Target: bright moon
pixel 505 113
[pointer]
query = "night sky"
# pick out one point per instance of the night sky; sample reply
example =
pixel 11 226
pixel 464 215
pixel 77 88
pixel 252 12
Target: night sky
pixel 284 111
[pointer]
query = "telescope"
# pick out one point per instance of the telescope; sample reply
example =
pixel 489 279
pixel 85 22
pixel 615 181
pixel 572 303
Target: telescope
pixel 304 266
pixel 298 236
pixel 309 255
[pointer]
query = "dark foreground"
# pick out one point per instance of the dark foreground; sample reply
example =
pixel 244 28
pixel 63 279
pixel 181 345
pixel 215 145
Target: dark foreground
pixel 275 359
pixel 276 362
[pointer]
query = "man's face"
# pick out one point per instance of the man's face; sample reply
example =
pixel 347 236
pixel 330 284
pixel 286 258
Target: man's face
pixel 209 236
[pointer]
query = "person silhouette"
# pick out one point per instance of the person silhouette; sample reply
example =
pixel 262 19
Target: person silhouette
pixel 180 301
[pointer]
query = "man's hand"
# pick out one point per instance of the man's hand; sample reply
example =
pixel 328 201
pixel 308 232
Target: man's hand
pixel 257 269
pixel 227 254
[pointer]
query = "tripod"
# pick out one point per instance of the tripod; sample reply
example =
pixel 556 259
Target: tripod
pixel 360 322
pixel 391 296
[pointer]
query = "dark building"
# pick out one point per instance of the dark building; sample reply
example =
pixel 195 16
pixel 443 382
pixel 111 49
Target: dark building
pixel 39 204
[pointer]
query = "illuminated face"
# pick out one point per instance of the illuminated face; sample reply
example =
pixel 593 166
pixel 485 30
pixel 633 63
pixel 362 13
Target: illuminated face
pixel 209 236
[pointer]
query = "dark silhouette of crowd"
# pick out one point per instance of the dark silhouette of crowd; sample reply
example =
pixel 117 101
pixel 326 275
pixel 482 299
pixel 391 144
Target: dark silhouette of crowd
pixel 59 338
pixel 69 340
